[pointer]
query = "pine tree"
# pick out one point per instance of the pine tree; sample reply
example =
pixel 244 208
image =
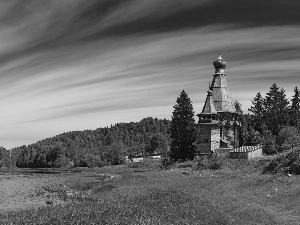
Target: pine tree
pixel 238 107
pixel 248 136
pixel 295 109
pixel 268 141
pixel 258 112
pixel 276 109
pixel 183 132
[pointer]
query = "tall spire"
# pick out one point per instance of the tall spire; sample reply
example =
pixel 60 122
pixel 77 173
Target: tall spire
pixel 218 121
pixel 220 91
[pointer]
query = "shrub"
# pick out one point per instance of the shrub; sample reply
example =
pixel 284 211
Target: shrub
pixel 217 162
pixel 92 161
pixel 6 162
pixel 213 162
pixel 268 141
pixel 2 164
pixel 185 165
pixel 288 138
pixel 288 162
pixel 166 161
pixel 63 161
pixel 116 154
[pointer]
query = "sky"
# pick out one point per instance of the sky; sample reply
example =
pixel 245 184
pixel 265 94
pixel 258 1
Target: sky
pixel 69 65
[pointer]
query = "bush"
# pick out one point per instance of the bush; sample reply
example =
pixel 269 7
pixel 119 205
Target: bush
pixel 288 138
pixel 268 141
pixel 288 162
pixel 217 162
pixel 166 161
pixel 116 154
pixel 63 161
pixel 92 161
pixel 2 163
pixel 6 162
pixel 212 162
pixel 185 165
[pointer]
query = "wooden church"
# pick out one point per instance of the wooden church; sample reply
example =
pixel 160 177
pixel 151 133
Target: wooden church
pixel 218 122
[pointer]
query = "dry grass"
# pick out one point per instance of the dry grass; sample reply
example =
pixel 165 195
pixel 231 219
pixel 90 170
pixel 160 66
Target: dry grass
pixel 136 196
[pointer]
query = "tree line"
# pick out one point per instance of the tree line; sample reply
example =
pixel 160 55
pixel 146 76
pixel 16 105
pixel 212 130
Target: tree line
pixel 100 147
pixel 273 122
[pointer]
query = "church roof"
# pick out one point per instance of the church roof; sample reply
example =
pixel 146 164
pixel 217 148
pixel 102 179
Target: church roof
pixel 220 94
pixel 209 106
pixel 220 99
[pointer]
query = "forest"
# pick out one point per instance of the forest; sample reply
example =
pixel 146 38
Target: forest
pixel 100 147
pixel 273 122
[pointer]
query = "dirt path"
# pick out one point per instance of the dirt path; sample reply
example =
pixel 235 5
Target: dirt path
pixel 26 191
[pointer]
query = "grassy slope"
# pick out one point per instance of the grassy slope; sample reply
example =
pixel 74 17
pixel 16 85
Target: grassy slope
pixel 287 162
pixel 170 197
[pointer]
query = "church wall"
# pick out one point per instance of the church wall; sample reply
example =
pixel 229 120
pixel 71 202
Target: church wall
pixel 215 137
pixel 208 138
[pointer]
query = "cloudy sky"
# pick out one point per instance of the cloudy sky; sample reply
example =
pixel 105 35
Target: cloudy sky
pixel 74 64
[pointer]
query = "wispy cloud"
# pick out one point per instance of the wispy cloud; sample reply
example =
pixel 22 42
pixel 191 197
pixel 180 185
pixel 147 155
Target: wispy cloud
pixel 74 64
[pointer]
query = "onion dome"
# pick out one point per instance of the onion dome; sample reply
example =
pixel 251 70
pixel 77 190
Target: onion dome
pixel 219 65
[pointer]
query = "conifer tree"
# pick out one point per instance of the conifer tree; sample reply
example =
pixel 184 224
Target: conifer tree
pixel 268 141
pixel 273 110
pixel 258 112
pixel 295 109
pixel 238 107
pixel 248 135
pixel 276 109
pixel 183 132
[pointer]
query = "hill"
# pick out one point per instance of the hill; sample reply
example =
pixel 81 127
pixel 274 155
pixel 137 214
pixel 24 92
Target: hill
pixel 103 146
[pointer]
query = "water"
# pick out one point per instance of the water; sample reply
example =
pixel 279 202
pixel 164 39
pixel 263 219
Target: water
pixel 18 171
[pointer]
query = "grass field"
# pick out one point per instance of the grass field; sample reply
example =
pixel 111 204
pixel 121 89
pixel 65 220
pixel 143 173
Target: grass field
pixel 122 195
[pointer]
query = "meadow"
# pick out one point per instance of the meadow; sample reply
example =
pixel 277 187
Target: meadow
pixel 180 194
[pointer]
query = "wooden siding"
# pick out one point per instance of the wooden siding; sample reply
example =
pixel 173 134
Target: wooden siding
pixel 246 152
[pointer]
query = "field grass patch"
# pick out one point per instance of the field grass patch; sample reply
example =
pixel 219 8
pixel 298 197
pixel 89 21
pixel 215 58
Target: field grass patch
pixel 104 188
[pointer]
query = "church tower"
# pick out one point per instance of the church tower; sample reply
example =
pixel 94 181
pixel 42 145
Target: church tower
pixel 218 122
